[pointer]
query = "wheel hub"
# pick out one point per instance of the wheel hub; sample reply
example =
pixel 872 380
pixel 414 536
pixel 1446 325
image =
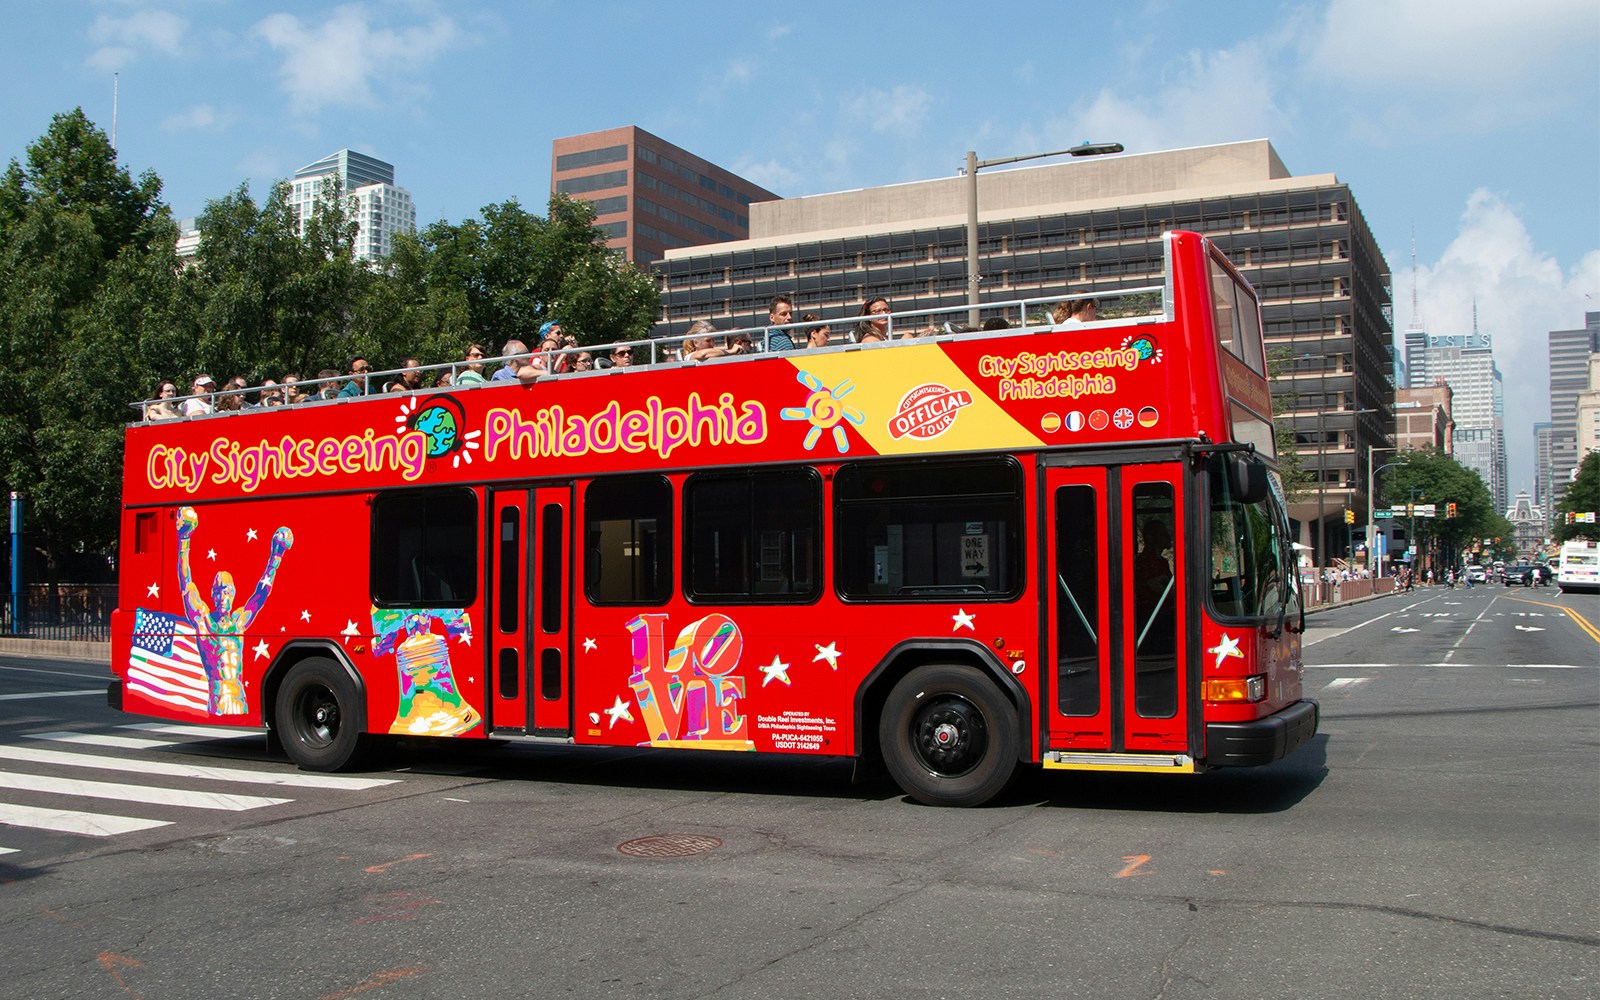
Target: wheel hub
pixel 950 736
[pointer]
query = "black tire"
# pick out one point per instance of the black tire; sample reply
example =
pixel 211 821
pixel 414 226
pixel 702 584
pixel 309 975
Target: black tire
pixel 949 736
pixel 317 716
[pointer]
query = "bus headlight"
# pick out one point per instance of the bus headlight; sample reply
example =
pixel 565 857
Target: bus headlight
pixel 1225 689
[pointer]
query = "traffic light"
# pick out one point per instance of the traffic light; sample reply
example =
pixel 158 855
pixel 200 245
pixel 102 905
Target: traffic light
pixel 1349 516
pixel 1449 510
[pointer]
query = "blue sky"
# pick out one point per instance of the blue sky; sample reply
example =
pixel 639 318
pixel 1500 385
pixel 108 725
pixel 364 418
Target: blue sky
pixel 1474 122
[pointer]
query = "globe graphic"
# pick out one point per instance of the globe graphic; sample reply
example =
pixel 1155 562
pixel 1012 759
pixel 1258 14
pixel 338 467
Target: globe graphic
pixel 439 424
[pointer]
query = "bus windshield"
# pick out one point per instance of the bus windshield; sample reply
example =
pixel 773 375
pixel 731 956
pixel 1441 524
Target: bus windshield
pixel 1247 551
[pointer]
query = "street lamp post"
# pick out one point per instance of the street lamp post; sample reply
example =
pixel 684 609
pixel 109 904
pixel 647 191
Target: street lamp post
pixel 1322 484
pixel 1372 522
pixel 973 166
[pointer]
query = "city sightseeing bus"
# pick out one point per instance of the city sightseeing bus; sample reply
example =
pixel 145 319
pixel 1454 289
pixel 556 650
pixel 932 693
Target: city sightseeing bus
pixel 958 553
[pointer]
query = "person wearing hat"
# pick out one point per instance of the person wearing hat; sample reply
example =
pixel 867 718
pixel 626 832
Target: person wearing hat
pixel 201 403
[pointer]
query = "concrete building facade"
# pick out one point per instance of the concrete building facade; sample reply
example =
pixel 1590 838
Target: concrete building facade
pixel 651 196
pixel 1569 376
pixel 1091 225
pixel 1466 362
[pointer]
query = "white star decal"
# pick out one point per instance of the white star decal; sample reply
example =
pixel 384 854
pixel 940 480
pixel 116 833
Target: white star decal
pixel 775 671
pixel 465 638
pixel 828 652
pixel 962 621
pixel 250 535
pixel 260 649
pixel 617 712
pixel 1229 646
pixel 305 616
pixel 211 554
pixel 154 590
pixel 349 630
pixel 589 645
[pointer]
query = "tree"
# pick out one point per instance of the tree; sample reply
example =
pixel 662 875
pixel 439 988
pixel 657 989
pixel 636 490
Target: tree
pixel 1428 476
pixel 1581 497
pixel 1296 479
pixel 87 269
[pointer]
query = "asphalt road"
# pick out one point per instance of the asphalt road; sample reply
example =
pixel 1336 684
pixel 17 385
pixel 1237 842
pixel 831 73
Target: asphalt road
pixel 1440 837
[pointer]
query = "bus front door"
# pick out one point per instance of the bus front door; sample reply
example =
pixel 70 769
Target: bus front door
pixel 1114 616
pixel 530 564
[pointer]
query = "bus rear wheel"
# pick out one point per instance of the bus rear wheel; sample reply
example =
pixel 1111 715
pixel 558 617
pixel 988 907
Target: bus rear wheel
pixel 316 716
pixel 949 737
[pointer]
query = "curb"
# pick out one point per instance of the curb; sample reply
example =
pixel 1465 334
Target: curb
pixel 59 649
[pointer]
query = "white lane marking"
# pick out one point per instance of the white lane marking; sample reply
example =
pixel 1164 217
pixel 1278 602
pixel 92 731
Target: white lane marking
pixel 1497 666
pixel 103 740
pixel 58 673
pixel 8 850
pixel 69 821
pixel 135 793
pixel 208 732
pixel 1474 624
pixel 49 694
pixel 292 779
pixel 1345 682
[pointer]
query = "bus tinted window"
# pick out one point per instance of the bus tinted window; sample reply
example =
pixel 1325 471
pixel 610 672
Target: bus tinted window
pixel 1238 325
pixel 752 537
pixel 931 530
pixel 628 540
pixel 1247 553
pixel 425 549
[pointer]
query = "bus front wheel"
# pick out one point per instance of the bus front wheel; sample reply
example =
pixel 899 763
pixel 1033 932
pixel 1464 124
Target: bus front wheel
pixel 316 716
pixel 949 737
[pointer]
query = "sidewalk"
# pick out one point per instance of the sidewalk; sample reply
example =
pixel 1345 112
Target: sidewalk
pixel 56 649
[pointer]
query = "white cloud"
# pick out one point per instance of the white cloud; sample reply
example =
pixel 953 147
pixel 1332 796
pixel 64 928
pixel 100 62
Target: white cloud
pixel 201 117
pixel 902 109
pixel 772 175
pixel 778 31
pixel 1206 98
pixel 1520 293
pixel 121 40
pixel 338 61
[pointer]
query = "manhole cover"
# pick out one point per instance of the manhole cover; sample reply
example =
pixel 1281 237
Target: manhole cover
pixel 669 845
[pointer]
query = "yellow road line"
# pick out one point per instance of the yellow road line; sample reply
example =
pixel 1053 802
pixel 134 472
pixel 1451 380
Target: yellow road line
pixel 1583 623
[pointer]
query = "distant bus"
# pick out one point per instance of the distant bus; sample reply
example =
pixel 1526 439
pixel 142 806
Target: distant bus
pixel 1579 569
pixel 960 551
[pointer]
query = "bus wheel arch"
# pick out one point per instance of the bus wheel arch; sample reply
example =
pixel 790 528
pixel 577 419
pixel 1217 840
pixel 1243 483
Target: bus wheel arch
pixel 950 725
pixel 317 708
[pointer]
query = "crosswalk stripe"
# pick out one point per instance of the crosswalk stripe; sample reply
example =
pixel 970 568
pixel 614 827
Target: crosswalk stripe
pixel 50 694
pixel 293 779
pixel 69 821
pixel 8 850
pixel 1346 682
pixel 150 795
pixel 103 740
pixel 207 732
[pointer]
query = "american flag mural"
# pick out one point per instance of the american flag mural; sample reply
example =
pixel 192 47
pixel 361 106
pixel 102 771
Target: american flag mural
pixel 164 662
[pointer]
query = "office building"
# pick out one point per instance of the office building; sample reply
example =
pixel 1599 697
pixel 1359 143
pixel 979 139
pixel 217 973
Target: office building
pixel 1541 465
pixel 1087 225
pixel 1587 423
pixel 1422 419
pixel 651 196
pixel 1466 363
pixel 376 205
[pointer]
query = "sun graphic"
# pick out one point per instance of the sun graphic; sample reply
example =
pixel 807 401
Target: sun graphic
pixel 824 411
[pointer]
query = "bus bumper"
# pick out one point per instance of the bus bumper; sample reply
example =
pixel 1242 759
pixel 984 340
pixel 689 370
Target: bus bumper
pixel 114 695
pixel 1260 741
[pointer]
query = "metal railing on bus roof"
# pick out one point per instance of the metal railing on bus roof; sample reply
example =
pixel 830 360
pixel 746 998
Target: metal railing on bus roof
pixel 903 328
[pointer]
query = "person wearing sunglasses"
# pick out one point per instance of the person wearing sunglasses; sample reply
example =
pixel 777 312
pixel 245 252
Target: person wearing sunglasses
pixel 471 373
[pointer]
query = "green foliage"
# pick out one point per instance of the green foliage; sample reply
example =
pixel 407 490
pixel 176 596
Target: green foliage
pixel 1428 476
pixel 96 310
pixel 1297 479
pixel 1582 496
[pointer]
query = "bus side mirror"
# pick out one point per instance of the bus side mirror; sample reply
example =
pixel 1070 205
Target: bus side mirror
pixel 1247 480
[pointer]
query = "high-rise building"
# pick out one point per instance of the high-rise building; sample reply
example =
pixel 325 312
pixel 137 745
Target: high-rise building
pixel 376 205
pixel 1569 375
pixel 651 196
pixel 1466 363
pixel 1095 224
pixel 1588 421
pixel 1541 465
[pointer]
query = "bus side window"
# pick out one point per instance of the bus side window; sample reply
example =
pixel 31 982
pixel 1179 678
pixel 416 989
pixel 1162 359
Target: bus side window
pixel 628 540
pixel 425 549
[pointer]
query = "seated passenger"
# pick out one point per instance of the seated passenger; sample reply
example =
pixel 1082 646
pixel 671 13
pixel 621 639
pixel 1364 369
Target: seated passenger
pixel 409 379
pixel 874 330
pixel 698 345
pixel 471 373
pixel 816 336
pixel 516 355
pixel 203 403
pixel 163 408
pixel 779 313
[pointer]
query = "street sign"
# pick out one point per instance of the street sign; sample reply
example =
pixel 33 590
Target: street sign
pixel 1382 513
pixel 1398 508
pixel 1424 510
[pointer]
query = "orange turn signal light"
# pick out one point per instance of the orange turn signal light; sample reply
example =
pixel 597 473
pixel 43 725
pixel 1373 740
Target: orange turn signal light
pixel 1236 688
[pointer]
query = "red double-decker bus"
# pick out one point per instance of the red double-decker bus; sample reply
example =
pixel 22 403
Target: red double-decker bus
pixel 963 552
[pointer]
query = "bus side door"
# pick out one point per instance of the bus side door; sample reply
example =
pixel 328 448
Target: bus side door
pixel 530 566
pixel 1115 617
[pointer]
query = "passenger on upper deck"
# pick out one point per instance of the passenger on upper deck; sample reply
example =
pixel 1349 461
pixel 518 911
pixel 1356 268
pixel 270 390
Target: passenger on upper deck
pixel 622 356
pixel 516 355
pixel 583 361
pixel 409 379
pixel 196 407
pixel 357 386
pixel 1075 311
pixel 551 339
pixel 873 330
pixel 816 336
pixel 996 323
pixel 471 373
pixel 163 408
pixel 291 389
pixel 698 345
pixel 328 384
pixel 780 312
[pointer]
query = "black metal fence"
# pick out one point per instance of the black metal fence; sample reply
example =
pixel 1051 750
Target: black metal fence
pixel 71 611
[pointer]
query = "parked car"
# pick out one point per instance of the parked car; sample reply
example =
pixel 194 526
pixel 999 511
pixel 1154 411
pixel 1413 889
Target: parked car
pixel 1520 575
pixel 1477 574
